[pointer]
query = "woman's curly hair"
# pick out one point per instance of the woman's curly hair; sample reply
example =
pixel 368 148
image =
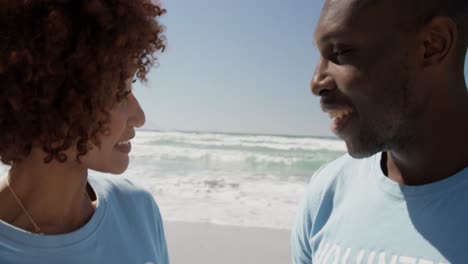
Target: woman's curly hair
pixel 63 66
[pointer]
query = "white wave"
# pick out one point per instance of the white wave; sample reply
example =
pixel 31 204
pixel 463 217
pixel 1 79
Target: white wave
pixel 227 199
pixel 247 180
pixel 227 179
pixel 273 142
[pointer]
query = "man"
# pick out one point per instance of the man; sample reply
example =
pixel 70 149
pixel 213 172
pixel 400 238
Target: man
pixel 391 78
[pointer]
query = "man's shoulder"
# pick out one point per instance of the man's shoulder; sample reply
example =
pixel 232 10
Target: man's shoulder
pixel 341 170
pixel 338 165
pixel 331 183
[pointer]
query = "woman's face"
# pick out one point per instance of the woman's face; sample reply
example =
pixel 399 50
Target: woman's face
pixel 113 155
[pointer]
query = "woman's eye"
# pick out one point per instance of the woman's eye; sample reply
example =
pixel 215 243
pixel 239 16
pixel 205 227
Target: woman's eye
pixel 126 94
pixel 134 80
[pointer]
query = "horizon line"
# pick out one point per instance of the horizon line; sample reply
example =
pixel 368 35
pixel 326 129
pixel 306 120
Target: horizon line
pixel 238 133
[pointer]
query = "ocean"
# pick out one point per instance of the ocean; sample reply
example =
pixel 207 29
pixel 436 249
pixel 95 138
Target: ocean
pixel 227 179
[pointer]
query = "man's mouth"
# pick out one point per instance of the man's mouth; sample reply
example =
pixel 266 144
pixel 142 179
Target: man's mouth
pixel 339 118
pixel 338 114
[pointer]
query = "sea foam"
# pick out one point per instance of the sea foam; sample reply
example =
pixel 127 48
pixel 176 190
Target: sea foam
pixel 231 179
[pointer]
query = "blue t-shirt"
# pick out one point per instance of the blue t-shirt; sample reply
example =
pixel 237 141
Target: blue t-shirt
pixel 353 213
pixel 125 228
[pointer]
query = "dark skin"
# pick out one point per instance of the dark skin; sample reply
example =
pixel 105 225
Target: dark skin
pixel 404 82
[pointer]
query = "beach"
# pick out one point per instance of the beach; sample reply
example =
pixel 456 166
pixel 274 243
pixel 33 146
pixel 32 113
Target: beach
pixel 228 179
pixel 198 243
pixel 226 198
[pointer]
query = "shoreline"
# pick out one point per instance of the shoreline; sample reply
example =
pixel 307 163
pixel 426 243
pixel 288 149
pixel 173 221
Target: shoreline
pixel 212 244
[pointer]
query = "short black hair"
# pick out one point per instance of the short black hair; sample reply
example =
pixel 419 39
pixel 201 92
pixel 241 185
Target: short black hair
pixel 455 9
pixel 423 10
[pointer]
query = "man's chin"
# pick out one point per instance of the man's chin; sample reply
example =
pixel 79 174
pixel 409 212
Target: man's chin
pixel 361 151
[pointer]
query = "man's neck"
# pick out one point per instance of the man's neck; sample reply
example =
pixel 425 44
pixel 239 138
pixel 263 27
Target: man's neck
pixel 440 149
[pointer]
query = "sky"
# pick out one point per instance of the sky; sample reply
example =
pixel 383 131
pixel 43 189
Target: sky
pixel 239 66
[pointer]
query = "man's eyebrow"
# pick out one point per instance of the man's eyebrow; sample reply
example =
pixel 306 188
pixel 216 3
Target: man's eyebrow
pixel 331 36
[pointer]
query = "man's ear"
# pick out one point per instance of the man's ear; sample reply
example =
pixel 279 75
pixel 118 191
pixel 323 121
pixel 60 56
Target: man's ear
pixel 439 40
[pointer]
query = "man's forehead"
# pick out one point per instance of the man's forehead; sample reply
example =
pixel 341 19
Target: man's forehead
pixel 357 5
pixel 334 19
pixel 338 17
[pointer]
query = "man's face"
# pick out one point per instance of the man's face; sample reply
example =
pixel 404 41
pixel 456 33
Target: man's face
pixel 367 75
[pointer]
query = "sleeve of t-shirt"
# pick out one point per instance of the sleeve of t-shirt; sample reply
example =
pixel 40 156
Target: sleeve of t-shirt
pixel 301 231
pixel 162 245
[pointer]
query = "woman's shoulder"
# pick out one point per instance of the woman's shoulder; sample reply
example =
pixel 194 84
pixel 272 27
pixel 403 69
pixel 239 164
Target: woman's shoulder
pixel 123 191
pixel 133 210
pixel 114 183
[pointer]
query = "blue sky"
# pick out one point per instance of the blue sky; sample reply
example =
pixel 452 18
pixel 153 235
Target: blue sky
pixel 236 66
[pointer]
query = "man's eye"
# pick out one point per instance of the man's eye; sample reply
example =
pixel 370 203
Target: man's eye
pixel 341 52
pixel 341 56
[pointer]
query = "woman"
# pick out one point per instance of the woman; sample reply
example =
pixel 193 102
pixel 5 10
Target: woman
pixel 66 106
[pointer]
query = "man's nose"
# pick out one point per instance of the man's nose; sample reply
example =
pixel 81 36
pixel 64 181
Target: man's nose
pixel 137 116
pixel 322 81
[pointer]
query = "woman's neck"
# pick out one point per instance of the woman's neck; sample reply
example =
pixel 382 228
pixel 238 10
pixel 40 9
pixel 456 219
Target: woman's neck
pixel 54 194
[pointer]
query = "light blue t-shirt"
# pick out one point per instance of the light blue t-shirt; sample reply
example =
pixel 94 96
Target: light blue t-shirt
pixel 352 213
pixel 125 228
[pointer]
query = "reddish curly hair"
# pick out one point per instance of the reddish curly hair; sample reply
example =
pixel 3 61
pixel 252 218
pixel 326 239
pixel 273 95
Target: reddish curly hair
pixel 63 66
